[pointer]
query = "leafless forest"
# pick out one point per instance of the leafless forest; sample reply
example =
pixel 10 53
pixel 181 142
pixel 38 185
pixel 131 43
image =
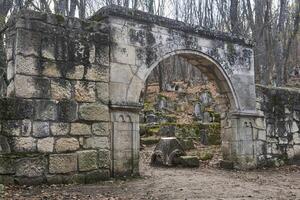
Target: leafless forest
pixel 273 26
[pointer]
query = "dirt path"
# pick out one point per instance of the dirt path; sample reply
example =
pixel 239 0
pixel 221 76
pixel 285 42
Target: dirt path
pixel 178 183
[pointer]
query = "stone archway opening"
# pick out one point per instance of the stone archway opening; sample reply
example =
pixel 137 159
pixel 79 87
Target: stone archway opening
pixel 193 109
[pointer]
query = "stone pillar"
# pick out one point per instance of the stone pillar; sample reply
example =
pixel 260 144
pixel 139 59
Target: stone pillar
pixel 242 140
pixel 125 140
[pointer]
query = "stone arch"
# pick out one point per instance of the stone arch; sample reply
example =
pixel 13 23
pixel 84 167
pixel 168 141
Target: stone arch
pixel 205 63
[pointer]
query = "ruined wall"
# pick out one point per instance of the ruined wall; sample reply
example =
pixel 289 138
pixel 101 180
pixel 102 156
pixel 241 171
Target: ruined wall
pixel 281 109
pixel 55 122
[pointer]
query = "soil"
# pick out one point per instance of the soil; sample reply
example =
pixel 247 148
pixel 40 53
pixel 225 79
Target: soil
pixel 205 182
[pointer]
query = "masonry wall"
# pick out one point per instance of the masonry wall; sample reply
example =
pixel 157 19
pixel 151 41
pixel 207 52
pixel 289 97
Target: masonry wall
pixel 281 109
pixel 55 121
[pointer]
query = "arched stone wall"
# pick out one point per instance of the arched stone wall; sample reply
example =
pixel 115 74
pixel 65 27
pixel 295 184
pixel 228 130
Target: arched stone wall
pixel 71 112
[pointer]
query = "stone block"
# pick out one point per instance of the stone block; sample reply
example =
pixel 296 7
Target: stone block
pixel 62 163
pixel 59 129
pixel 11 128
pixel 67 111
pixel 10 72
pixel 4 145
pixel 80 129
pixel 50 69
pixel 97 73
pixel 28 42
pixel 189 161
pixel 31 167
pixel 45 110
pixel 27 65
pixel 45 145
pixel 94 112
pixel 66 145
pixel 101 129
pixel 11 108
pixel 76 72
pixel 24 144
pixel 102 91
pixel 7 165
pixel 31 87
pixel 123 54
pixel 96 176
pixel 61 89
pixel 122 73
pixel 87 160
pixel 104 157
pixel 85 91
pixel 41 129
pixel 96 143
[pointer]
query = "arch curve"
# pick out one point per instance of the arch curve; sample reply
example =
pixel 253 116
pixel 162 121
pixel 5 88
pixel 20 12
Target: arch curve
pixel 205 63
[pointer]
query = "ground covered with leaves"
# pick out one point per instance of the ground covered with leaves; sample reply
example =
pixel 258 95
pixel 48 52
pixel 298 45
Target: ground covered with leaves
pixel 205 182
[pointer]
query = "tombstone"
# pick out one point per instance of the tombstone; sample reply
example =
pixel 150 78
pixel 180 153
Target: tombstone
pixel 203 137
pixel 151 118
pixel 170 88
pixel 198 111
pixel 205 99
pixel 162 104
pixel 206 117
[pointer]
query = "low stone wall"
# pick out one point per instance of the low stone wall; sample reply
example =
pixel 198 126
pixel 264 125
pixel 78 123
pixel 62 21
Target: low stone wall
pixel 55 123
pixel 281 108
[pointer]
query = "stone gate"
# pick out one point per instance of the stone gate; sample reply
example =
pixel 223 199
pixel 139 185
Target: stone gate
pixel 72 107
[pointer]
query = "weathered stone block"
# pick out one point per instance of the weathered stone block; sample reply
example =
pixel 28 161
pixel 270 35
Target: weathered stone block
pixel 50 69
pixel 67 111
pixel 16 109
pixel 189 161
pixel 94 112
pixel 104 158
pixel 75 73
pixel 7 165
pixel 11 128
pixel 123 54
pixel 66 145
pixel 96 176
pixel 58 129
pixel 41 129
pixel 96 143
pixel 61 89
pixel 24 144
pixel 87 160
pixel 28 42
pixel 31 87
pixel 62 163
pixel 31 167
pixel 45 110
pixel 27 65
pixel 101 129
pixel 10 72
pixel 45 145
pixel 4 145
pixel 97 73
pixel 80 129
pixel 85 91
pixel 102 90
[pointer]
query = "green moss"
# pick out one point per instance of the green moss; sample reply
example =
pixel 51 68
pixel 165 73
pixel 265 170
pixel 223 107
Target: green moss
pixel 150 140
pixel 206 156
pixel 60 19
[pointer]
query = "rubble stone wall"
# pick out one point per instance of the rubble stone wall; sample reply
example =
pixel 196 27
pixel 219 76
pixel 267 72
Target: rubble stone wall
pixel 281 109
pixel 55 121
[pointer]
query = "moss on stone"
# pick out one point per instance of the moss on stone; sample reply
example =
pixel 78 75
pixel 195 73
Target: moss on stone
pixel 150 140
